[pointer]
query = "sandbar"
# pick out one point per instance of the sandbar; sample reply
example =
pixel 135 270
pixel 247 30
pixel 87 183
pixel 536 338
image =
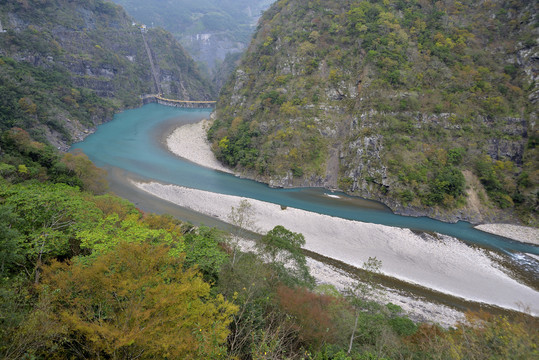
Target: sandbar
pixel 516 232
pixel 437 261
pixel 190 142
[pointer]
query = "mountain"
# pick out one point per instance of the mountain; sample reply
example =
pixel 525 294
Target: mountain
pixel 208 29
pixel 67 66
pixel 429 107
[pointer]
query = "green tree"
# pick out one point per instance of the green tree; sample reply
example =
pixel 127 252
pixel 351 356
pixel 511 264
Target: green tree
pixel 360 293
pixel 11 240
pixel 203 251
pixel 48 216
pixel 111 230
pixel 242 217
pixel 282 249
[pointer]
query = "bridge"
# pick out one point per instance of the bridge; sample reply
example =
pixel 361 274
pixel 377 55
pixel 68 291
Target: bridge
pixel 158 98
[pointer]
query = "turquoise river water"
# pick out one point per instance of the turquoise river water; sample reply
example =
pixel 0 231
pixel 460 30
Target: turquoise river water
pixel 132 142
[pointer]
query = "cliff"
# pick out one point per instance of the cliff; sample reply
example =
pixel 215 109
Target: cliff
pixel 69 65
pixel 428 107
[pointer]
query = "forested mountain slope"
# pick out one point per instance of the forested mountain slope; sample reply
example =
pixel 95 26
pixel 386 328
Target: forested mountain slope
pixel 430 107
pixel 66 66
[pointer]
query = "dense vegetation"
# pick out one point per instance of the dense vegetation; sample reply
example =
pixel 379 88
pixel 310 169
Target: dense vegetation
pixel 66 66
pixel 84 275
pixel 417 103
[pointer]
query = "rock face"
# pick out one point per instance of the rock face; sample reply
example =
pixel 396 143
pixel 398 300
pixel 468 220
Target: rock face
pixel 97 50
pixel 402 103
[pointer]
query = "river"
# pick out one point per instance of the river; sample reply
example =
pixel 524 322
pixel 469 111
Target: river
pixel 132 146
pixel 133 142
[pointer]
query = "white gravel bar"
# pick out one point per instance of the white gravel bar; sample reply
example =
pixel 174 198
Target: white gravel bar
pixel 441 263
pixel 516 232
pixel 444 263
pixel 190 142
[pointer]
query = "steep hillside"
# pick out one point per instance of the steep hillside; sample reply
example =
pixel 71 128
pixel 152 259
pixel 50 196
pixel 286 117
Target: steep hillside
pixel 66 66
pixel 208 29
pixel 428 107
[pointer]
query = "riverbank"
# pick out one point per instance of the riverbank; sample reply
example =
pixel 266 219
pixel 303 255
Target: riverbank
pixel 190 142
pixel 417 308
pixel 418 305
pixel 516 232
pixel 438 262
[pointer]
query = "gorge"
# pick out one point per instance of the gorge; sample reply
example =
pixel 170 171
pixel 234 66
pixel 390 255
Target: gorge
pixel 140 153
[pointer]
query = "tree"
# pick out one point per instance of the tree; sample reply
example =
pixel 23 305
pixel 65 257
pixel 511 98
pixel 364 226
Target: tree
pixel 202 250
pixel 136 302
pixel 242 218
pixel 49 217
pixel 486 336
pixel 11 252
pixel 361 291
pixel 282 248
pixel 92 177
pixel 310 314
pixel 111 230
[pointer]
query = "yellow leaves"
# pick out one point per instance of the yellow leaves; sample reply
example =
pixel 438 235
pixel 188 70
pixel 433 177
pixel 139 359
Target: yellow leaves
pixel 314 36
pixel 223 143
pixel 281 79
pixel 293 154
pixel 362 28
pixel 27 105
pixel 488 336
pixel 420 25
pixel 235 124
pixel 334 76
pixel 92 177
pixel 137 299
pixel 269 40
pixel 284 134
pixel 442 41
pixel 253 125
pixel 289 109
pixel 306 49
pixel 507 165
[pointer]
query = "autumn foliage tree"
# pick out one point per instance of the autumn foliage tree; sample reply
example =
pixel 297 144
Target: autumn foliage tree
pixel 135 302
pixel 92 177
pixel 310 314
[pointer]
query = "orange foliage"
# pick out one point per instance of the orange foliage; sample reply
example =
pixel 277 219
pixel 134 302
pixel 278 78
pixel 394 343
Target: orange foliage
pixel 310 314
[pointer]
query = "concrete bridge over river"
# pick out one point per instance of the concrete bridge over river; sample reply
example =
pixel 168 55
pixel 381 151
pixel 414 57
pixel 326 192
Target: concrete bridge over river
pixel 158 98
